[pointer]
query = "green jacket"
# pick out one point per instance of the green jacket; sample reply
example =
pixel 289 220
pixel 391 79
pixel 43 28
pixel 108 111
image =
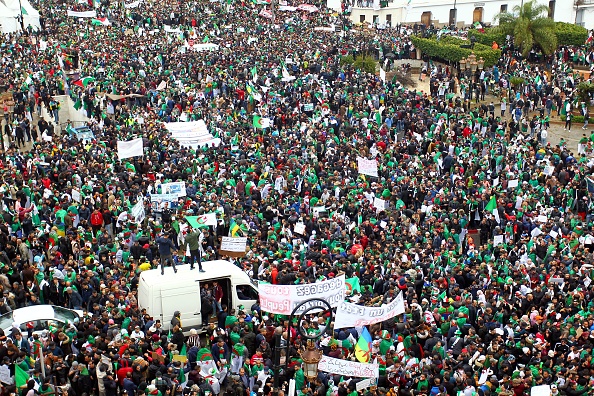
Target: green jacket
pixel 192 240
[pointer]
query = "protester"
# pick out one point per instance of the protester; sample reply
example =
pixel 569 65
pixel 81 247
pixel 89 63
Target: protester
pixel 482 225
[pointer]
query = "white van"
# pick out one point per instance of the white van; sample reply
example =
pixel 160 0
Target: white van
pixel 162 295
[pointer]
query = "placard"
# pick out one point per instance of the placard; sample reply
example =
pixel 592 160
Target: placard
pixel 282 299
pixel 75 195
pixel 158 199
pixel 512 183
pixel 138 211
pixel 541 390
pixel 299 228
pixel 348 368
pixel 353 315
pixel 366 383
pixel 176 188
pixel 233 246
pixel 5 376
pixel 367 167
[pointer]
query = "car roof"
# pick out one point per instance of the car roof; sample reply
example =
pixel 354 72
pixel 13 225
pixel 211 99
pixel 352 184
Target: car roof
pixel 33 312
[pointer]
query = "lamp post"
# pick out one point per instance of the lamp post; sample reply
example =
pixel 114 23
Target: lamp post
pixel 462 67
pixel 311 356
pixel 481 64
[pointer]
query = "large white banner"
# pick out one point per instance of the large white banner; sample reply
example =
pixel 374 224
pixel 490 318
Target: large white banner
pixel 282 299
pixel 176 188
pixel 134 4
pixel 132 148
pixel 192 134
pixel 347 368
pixel 353 315
pixel 367 167
pixel 231 244
pixel 82 14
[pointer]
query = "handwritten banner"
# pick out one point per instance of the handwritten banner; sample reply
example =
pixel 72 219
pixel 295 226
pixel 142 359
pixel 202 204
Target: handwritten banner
pixel 237 244
pixel 347 368
pixel 367 167
pixel 353 315
pixel 282 299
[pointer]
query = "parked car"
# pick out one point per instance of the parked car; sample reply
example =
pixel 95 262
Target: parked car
pixel 38 318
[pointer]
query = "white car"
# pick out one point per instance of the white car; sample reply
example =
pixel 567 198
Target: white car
pixel 38 318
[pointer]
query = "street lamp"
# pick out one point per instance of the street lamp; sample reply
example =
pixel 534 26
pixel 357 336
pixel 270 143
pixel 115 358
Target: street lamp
pixel 481 63
pixel 311 358
pixel 310 355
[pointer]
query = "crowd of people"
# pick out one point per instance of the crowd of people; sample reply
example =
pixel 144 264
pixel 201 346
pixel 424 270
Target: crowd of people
pixel 483 225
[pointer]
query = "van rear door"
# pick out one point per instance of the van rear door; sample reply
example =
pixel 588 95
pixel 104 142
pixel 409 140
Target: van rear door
pixel 186 300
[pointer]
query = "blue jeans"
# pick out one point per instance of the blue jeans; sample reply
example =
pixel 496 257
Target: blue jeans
pixel 216 307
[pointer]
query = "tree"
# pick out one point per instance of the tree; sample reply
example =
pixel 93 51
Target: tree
pixel 530 27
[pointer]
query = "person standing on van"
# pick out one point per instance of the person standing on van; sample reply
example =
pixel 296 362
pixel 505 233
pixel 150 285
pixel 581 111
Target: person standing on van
pixel 193 240
pixel 166 248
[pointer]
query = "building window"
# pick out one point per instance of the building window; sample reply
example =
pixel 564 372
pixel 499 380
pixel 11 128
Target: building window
pixel 361 18
pixel 579 17
pixel 389 19
pixel 503 8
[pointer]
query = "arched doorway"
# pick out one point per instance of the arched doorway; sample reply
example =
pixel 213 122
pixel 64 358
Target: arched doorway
pixel 426 18
pixel 477 15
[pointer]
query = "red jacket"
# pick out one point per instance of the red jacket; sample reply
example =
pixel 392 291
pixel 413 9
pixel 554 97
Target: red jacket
pixel 96 218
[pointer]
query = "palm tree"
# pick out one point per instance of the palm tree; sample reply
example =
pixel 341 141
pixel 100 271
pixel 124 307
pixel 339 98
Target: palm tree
pixel 530 26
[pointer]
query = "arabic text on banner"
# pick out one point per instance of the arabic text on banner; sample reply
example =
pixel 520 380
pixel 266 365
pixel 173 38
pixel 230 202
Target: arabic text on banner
pixel 353 315
pixel 230 244
pixel 347 368
pixel 129 149
pixel 367 167
pixel 282 299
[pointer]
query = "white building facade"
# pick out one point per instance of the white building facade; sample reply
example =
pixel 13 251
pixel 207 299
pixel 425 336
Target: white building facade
pixel 462 12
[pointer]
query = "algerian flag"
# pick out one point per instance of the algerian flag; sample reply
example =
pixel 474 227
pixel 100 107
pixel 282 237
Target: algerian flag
pixel 78 104
pixel 35 216
pixel 101 22
pixel 378 118
pixel 254 72
pixel 286 75
pixel 24 11
pixel 28 80
pixel 492 205
pixel 20 376
pixel 260 122
pixel 83 82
